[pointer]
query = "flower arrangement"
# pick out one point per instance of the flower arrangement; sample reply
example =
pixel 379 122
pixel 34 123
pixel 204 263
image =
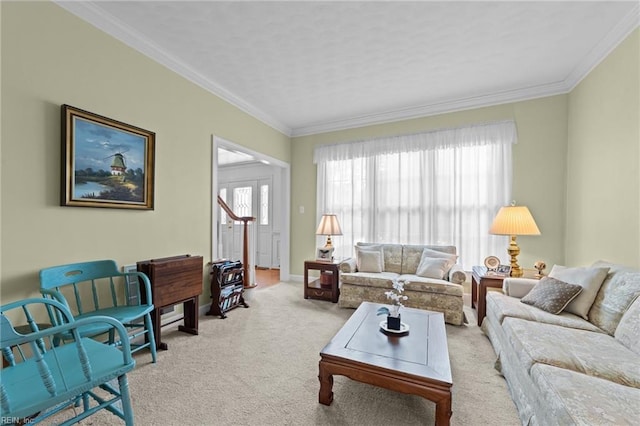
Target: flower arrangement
pixel 396 296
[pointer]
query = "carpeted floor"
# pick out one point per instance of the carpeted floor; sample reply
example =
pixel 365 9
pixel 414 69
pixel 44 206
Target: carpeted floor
pixel 259 367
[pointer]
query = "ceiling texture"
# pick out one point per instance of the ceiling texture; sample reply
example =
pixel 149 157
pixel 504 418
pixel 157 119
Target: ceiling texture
pixel 306 67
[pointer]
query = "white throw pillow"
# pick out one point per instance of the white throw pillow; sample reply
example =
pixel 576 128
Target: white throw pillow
pixel 439 254
pixel 369 260
pixel 589 278
pixel 433 267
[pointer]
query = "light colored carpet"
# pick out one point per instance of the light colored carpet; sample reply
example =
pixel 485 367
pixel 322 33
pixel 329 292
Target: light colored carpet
pixel 259 366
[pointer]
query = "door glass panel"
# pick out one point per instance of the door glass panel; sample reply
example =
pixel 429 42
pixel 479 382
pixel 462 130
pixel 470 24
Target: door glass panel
pixel 264 204
pixel 223 214
pixel 242 205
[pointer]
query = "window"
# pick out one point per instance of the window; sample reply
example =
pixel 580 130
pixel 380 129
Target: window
pixel 264 204
pixel 440 188
pixel 242 201
pixel 223 214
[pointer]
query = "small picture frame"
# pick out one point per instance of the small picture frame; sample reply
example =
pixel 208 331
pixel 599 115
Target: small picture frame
pixel 504 270
pixel 325 254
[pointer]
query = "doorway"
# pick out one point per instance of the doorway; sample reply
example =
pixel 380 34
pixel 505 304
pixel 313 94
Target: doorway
pixel 252 197
pixel 256 185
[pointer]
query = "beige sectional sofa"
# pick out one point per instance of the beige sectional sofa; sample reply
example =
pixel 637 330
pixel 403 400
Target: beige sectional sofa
pixel 401 262
pixel 564 369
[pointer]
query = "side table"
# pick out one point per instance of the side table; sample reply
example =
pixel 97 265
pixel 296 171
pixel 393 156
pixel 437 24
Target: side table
pixel 480 281
pixel 326 286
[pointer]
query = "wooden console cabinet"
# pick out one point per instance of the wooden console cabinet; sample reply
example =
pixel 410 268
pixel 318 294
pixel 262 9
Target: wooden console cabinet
pixel 227 287
pixel 176 279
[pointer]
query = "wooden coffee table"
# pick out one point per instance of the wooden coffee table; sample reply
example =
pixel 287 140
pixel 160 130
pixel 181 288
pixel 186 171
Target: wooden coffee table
pixel 416 363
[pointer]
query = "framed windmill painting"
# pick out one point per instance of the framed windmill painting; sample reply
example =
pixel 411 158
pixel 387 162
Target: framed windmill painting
pixel 105 163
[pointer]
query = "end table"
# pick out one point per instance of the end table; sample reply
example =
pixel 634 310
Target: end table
pixel 326 286
pixel 480 282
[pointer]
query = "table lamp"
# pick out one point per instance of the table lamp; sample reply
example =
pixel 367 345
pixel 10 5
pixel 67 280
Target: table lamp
pixel 329 226
pixel 514 220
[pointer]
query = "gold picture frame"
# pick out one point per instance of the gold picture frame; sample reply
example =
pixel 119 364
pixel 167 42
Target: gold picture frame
pixel 105 163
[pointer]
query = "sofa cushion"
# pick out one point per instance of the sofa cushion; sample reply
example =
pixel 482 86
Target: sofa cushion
pixel 617 292
pixel 434 267
pixel 574 398
pixel 369 279
pixel 502 306
pixel 628 331
pixel 594 354
pixel 430 285
pixel 551 295
pixel 369 260
pixel 590 279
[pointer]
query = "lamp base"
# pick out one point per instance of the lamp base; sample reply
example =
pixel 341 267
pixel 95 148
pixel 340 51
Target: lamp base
pixel 328 244
pixel 514 251
pixel 516 272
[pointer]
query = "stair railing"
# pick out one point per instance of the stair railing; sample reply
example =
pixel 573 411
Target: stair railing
pixel 245 239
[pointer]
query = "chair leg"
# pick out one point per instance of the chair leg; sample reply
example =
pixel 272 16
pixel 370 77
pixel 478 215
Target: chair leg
pixel 152 340
pixel 125 398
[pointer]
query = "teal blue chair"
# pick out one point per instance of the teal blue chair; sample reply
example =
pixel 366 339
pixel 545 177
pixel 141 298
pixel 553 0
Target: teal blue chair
pixel 99 288
pixel 40 379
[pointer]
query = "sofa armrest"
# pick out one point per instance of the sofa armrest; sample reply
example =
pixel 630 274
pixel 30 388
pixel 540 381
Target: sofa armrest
pixel 457 274
pixel 518 287
pixel 348 265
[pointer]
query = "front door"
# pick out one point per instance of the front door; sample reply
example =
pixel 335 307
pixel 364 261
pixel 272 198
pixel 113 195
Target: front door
pixel 247 198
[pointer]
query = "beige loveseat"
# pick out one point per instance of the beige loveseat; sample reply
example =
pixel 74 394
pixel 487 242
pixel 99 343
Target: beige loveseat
pixel 401 262
pixel 564 369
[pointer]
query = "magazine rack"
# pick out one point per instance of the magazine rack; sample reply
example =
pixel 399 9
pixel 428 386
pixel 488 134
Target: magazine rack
pixel 227 287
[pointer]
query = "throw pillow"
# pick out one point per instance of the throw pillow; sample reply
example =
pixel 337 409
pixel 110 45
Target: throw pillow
pixel 628 331
pixel 439 254
pixel 369 260
pixel 616 294
pixel 551 295
pixel 434 267
pixel 589 278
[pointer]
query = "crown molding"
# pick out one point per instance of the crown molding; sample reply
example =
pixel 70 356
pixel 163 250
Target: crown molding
pixel 618 34
pixel 89 12
pixel 446 106
pixel 94 15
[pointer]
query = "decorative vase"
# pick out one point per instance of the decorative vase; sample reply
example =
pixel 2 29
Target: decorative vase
pixel 393 323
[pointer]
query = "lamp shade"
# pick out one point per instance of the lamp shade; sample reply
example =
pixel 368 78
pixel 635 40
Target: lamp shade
pixel 329 225
pixel 514 220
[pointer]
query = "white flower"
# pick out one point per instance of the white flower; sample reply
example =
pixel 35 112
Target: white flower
pixel 396 297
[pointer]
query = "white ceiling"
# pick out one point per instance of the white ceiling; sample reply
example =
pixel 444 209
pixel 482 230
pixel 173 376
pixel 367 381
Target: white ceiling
pixel 307 67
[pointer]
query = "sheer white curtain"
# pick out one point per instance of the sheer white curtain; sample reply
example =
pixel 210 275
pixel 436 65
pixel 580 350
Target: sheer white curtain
pixel 439 187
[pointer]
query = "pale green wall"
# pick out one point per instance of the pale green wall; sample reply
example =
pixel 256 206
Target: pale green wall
pixel 539 160
pixel 603 203
pixel 49 58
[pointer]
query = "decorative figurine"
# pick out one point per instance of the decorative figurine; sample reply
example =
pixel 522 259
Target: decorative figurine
pixel 540 266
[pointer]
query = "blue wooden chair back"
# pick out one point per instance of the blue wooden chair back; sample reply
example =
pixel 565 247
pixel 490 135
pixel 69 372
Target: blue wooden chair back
pixel 100 288
pixel 41 379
